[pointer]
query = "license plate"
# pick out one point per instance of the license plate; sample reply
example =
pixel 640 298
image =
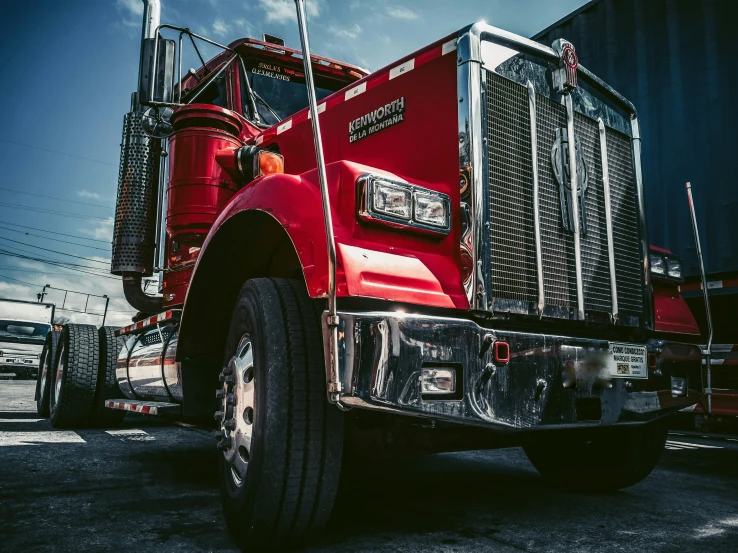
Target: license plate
pixel 627 360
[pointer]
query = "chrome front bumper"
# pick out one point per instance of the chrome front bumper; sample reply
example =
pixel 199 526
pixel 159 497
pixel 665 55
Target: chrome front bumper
pixel 549 381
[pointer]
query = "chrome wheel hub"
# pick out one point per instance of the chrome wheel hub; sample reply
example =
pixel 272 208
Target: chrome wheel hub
pixel 59 374
pixel 236 414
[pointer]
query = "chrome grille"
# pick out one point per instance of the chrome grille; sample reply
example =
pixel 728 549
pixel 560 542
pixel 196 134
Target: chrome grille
pixel 512 282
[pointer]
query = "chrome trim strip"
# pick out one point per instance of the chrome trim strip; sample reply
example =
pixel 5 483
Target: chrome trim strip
pixel 471 158
pixel 643 228
pixel 575 204
pixel 536 213
pixel 608 218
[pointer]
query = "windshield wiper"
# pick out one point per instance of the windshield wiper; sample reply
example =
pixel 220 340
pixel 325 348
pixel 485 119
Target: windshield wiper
pixel 263 101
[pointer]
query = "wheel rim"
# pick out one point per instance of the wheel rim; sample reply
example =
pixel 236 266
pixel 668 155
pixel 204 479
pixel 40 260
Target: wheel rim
pixel 44 371
pixel 237 422
pixel 60 370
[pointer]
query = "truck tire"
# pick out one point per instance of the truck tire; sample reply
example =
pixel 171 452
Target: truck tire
pixel 45 367
pixel 72 393
pixel 281 440
pixel 107 383
pixel 613 460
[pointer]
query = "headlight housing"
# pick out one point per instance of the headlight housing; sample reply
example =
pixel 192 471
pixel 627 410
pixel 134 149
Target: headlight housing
pixel 402 204
pixel 665 266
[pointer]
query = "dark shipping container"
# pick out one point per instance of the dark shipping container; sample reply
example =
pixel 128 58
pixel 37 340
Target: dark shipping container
pixel 677 61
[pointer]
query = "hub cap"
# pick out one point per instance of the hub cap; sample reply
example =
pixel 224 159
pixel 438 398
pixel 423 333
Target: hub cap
pixel 59 374
pixel 236 416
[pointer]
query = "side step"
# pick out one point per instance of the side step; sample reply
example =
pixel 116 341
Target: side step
pixel 144 407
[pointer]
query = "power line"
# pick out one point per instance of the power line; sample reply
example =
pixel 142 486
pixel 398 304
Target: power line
pixel 54 232
pixel 53 212
pixel 24 270
pixel 106 262
pixel 53 198
pixel 21 281
pixel 55 239
pixel 57 152
pixel 64 265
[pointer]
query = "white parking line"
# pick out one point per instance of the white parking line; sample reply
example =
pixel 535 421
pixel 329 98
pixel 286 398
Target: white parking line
pixel 131 434
pixel 671 444
pixel 20 420
pixel 36 438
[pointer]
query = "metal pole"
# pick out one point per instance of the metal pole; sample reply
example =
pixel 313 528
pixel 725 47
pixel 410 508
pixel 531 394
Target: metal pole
pixel 105 313
pixel 708 350
pixel 334 379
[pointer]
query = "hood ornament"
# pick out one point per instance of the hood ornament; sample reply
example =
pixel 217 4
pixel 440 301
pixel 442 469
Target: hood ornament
pixel 565 76
pixel 560 163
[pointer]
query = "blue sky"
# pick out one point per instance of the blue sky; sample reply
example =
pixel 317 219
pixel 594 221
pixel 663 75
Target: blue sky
pixel 70 67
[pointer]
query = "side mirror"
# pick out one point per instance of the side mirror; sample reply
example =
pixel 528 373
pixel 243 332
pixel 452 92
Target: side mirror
pixel 164 78
pixel 156 122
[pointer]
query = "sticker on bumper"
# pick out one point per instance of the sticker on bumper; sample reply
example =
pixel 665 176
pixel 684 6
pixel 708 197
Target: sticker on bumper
pixel 627 361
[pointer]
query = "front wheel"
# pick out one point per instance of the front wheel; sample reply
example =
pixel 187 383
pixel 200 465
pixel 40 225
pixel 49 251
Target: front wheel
pixel 612 460
pixel 281 440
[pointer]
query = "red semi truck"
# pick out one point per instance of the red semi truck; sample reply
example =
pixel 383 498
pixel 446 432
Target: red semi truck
pixel 457 260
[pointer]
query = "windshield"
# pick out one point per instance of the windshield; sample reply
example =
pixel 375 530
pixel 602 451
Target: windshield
pixel 23 330
pixel 279 91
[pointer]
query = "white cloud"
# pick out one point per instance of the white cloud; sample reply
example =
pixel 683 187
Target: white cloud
pixel 401 12
pixel 88 194
pixel 350 32
pixel 133 7
pixel 220 27
pixel 283 11
pixel 100 230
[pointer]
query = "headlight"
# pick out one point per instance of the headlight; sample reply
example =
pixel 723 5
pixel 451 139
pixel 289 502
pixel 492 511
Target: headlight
pixel 402 204
pixel 665 266
pixel 658 264
pixel 674 267
pixel 431 209
pixel 392 200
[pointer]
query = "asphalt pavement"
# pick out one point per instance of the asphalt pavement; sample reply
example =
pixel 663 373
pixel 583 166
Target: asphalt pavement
pixel 152 486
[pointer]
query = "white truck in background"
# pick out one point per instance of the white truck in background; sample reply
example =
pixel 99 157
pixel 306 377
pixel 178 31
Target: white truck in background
pixel 23 329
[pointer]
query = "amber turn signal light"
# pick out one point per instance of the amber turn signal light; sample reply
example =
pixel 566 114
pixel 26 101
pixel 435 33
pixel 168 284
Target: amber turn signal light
pixel 268 163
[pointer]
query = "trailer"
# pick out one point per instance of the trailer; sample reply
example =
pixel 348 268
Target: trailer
pixel 671 58
pixel 448 253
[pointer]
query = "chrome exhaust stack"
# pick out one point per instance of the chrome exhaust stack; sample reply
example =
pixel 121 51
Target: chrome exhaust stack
pixel 134 230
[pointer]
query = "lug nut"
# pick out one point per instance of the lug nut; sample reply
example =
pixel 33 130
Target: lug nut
pixel 219 415
pixel 219 435
pixel 225 443
pixel 219 394
pixel 229 379
pixel 230 424
pixel 230 399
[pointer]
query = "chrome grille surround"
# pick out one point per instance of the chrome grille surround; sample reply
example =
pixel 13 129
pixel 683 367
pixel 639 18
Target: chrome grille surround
pixel 504 244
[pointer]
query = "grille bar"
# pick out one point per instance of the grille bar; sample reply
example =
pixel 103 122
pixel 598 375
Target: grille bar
pixel 574 181
pixel 536 208
pixel 608 218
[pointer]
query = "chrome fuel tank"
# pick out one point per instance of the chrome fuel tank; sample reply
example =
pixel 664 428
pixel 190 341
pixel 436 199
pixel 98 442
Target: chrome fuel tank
pixel 147 369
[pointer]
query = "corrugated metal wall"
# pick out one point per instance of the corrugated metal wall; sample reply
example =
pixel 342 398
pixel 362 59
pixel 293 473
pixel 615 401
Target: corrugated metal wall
pixel 677 61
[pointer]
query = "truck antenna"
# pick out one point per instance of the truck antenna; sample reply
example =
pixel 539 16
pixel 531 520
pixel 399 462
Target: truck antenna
pixel 332 371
